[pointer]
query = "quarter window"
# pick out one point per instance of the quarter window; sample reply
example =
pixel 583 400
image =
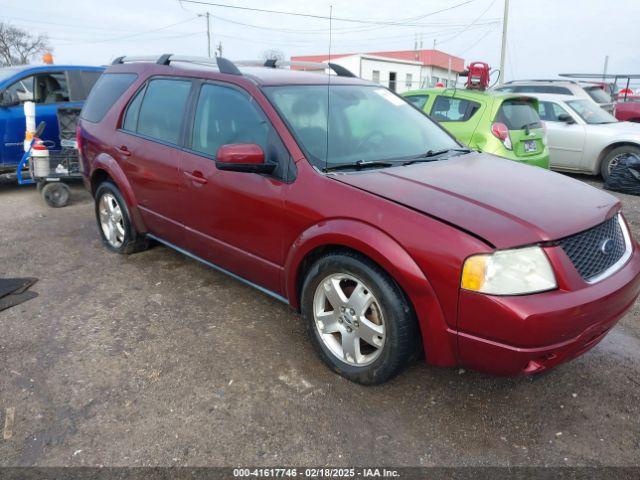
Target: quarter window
pixel 108 88
pixel 162 109
pixel 447 109
pixel 418 101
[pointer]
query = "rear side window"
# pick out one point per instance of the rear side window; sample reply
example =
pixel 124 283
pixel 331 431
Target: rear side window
pixel 162 109
pixel 518 114
pixel 104 94
pixel 598 95
pixel 130 122
pixel 447 109
pixel 417 101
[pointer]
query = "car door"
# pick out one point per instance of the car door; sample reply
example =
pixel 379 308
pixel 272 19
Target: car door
pixel 148 148
pixel 234 219
pixel 565 140
pixel 20 91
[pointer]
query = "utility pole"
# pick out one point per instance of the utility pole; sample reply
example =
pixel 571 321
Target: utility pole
pixel 207 17
pixel 503 52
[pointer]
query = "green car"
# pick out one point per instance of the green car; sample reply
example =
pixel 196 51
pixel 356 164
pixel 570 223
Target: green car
pixel 506 125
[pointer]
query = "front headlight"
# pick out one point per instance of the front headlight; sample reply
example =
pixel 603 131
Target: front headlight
pixel 509 272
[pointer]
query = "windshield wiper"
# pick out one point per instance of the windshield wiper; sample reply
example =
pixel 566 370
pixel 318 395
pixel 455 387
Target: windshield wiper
pixel 432 155
pixel 359 165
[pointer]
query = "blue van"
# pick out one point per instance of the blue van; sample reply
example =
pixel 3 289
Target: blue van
pixel 50 87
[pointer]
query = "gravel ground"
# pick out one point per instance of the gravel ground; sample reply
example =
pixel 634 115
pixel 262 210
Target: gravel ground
pixel 154 359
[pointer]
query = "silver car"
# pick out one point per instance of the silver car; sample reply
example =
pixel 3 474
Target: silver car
pixel 584 138
pixel 588 90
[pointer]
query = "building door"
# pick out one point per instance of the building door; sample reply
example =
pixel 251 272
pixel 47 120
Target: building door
pixel 392 81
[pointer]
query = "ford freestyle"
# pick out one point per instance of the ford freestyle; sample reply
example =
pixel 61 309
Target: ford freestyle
pixel 338 197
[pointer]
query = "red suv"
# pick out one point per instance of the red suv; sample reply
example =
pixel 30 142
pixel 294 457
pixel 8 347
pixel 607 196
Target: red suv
pixel 338 197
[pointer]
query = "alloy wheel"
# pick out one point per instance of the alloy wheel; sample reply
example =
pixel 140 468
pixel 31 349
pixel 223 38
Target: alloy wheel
pixel 111 221
pixel 349 319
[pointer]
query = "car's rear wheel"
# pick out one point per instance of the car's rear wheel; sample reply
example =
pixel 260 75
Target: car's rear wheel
pixel 116 229
pixel 358 319
pixel 613 158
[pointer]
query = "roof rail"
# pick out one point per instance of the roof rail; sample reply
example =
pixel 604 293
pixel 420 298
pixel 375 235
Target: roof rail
pixel 271 63
pixel 542 80
pixel 227 66
pixel 224 65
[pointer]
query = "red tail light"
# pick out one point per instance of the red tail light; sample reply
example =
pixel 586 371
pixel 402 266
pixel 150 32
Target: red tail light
pixel 500 131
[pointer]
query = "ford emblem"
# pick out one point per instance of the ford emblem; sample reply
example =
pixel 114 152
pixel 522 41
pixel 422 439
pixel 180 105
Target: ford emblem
pixel 606 247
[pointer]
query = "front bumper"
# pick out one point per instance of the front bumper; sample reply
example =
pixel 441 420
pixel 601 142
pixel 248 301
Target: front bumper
pixel 531 333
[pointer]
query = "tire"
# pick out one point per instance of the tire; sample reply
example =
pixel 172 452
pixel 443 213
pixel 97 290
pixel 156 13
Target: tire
pixel 605 165
pixel 395 339
pixel 114 221
pixel 40 185
pixel 56 194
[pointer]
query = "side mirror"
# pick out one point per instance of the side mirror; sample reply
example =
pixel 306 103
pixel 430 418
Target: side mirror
pixel 566 118
pixel 8 100
pixel 243 157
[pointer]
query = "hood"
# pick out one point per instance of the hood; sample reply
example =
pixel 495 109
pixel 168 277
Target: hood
pixel 505 203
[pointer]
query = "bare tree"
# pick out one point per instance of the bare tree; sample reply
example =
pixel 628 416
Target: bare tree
pixel 17 46
pixel 272 54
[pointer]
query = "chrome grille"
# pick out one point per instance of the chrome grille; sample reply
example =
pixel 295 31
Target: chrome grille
pixel 597 249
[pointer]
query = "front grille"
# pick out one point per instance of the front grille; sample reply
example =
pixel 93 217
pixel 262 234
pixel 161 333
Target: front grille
pixel 595 250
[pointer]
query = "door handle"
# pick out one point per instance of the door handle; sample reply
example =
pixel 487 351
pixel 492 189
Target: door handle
pixel 123 150
pixel 196 177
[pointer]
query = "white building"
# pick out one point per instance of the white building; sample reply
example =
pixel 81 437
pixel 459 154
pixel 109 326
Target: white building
pixel 401 71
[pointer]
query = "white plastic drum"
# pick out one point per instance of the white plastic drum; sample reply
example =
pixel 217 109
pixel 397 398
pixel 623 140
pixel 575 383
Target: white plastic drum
pixel 40 160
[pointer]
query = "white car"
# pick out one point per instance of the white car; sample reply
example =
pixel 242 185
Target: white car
pixel 582 137
pixel 588 90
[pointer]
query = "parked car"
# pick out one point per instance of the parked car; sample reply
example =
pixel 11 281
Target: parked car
pixel 334 195
pixel 505 125
pixel 597 91
pixel 584 138
pixel 50 87
pixel 628 110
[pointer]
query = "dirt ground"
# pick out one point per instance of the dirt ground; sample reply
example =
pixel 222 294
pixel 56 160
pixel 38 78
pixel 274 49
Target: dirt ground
pixel 155 359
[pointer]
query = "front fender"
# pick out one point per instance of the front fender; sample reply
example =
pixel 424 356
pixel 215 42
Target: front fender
pixel 438 342
pixel 106 163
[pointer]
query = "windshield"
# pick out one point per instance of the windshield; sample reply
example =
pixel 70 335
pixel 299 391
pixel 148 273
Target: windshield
pixel 366 124
pixel 7 72
pixel 590 112
pixel 598 95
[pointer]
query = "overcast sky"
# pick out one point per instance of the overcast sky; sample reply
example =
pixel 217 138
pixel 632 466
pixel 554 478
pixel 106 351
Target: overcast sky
pixel 546 37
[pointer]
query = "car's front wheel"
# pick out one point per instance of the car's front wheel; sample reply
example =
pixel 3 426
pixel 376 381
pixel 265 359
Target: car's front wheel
pixel 613 158
pixel 358 319
pixel 116 229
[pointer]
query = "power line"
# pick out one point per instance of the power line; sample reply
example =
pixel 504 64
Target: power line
pixel 470 25
pixel 343 32
pixel 134 34
pixel 324 17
